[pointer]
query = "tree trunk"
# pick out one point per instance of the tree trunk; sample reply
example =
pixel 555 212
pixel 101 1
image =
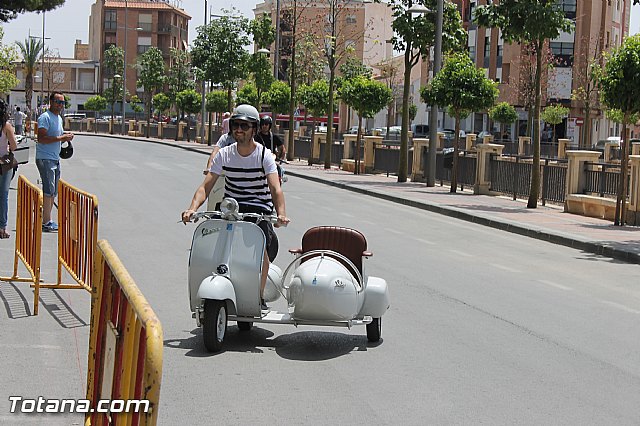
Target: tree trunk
pixel 454 170
pixel 535 170
pixel 621 199
pixel 404 133
pixel 329 144
pixel 586 143
pixel 357 153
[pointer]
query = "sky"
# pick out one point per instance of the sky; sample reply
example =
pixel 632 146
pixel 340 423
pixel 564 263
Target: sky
pixel 71 21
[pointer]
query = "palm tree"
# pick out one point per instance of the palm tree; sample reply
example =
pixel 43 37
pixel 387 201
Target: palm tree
pixel 30 50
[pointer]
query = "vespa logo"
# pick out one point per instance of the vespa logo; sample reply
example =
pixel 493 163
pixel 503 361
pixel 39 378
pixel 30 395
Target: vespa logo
pixel 338 283
pixel 206 231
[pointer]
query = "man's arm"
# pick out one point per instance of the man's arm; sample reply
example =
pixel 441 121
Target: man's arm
pixel 210 159
pixel 278 199
pixel 199 197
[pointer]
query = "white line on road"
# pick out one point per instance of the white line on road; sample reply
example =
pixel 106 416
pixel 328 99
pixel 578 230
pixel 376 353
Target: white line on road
pixel 347 214
pixel 420 240
pixel 505 268
pixel 92 163
pixel 394 231
pixel 620 306
pixel 295 197
pixel 157 166
pixel 124 165
pixel 20 346
pixel 556 285
pixel 461 253
pixel 368 222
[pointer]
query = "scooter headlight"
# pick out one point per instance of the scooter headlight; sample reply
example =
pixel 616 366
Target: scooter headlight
pixel 229 207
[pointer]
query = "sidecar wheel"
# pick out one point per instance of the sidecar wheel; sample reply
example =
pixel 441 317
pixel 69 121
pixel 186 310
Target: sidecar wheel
pixel 214 326
pixel 244 326
pixel 374 329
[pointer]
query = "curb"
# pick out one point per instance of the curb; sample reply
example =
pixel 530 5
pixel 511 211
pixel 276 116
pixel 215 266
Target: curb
pixel 587 246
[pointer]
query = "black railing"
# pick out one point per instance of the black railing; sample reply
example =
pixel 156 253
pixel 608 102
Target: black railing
pixel 554 178
pixel 467 163
pixel 387 158
pixel 510 176
pixel 601 178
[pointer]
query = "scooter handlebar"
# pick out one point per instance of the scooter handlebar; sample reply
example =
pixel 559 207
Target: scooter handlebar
pixel 273 219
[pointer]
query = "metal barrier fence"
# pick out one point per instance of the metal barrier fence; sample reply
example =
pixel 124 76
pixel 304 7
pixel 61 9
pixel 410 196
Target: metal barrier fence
pixel 77 236
pixel 28 236
pixel 125 344
pixel 467 164
pixel 554 180
pixel 602 178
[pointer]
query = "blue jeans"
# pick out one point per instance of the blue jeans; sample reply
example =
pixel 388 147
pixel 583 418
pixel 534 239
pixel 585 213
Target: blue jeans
pixel 49 175
pixel 5 180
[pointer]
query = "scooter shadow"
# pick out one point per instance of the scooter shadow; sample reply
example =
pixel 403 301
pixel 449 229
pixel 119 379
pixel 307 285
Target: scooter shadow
pixel 298 346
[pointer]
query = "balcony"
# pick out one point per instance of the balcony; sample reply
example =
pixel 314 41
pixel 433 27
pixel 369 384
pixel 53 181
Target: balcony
pixel 145 26
pixel 143 48
pixel 164 28
pixel 83 86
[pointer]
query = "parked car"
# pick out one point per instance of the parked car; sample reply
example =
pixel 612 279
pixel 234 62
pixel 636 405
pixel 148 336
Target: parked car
pixel 321 129
pixel 420 130
pixel 482 134
pixel 599 146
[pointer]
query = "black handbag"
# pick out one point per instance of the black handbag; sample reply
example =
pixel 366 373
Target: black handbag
pixel 8 162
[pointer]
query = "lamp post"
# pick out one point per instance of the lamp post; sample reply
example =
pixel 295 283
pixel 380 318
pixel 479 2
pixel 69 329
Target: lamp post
pixel 203 90
pixel 276 54
pixel 433 115
pixel 124 68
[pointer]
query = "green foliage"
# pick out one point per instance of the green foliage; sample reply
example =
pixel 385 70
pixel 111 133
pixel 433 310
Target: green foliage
pixel 461 87
pixel 179 77
pixel 151 75
pixel 554 114
pixel 247 94
pixel 315 97
pixel 113 64
pixel 503 113
pixel 219 50
pixel 413 111
pixel 96 103
pixel 278 97
pixel 216 101
pixel 135 104
pixel 264 34
pixel 617 116
pixel 366 96
pixel 619 81
pixel 30 50
pixel 353 67
pixel 189 101
pixel 8 55
pixel 161 102
pixel 262 73
pixel 11 8
pixel 309 62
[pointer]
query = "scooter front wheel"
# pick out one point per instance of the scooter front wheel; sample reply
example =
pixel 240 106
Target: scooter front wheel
pixel 214 326
pixel 374 330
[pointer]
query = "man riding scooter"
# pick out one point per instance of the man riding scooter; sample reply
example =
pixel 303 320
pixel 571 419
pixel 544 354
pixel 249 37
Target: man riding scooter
pixel 248 175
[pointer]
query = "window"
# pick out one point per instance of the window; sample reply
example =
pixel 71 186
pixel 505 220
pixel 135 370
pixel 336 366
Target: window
pixel 144 21
pixel 110 21
pixel 499 57
pixel 487 50
pixel 568 7
pixel 351 19
pixel 144 44
pixel 472 53
pixel 563 52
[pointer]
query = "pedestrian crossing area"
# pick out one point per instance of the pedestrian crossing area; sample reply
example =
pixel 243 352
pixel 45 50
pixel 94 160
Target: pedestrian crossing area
pixel 127 165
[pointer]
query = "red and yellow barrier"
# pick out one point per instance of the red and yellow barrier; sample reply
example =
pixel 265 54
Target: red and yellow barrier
pixel 28 236
pixel 77 235
pixel 125 343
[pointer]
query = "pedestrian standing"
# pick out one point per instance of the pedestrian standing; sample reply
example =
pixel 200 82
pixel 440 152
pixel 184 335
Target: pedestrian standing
pixel 50 137
pixel 7 143
pixel 225 122
pixel 18 121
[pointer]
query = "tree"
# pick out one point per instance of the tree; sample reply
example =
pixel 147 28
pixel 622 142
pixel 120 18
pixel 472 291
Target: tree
pixel 264 35
pixel 8 56
pixel 10 8
pixel 619 90
pixel 219 51
pixel 389 73
pixel 161 103
pixel 530 22
pixel 216 101
pixel 315 98
pixel 134 103
pixel 248 94
pixel 190 102
pixel 52 69
pixel 350 69
pixel 554 114
pixel 367 97
pixel 180 75
pixel 96 103
pixel 462 88
pixel 414 36
pixel 113 64
pixel 30 51
pixel 503 113
pixel 309 62
pixel 586 73
pixel 413 111
pixel 151 77
pixel 278 97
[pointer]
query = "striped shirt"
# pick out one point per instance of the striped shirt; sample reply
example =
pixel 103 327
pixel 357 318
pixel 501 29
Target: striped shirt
pixel 245 177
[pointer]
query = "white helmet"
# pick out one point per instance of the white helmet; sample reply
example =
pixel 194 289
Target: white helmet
pixel 247 113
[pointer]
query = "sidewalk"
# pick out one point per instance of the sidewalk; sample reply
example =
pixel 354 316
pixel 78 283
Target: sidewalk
pixel 548 223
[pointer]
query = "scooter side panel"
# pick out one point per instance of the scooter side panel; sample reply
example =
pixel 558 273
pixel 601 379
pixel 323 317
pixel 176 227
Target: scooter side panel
pixel 247 248
pixel 376 298
pixel 208 250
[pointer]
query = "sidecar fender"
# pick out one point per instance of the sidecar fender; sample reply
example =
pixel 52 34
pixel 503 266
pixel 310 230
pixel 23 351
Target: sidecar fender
pixel 218 287
pixel 376 297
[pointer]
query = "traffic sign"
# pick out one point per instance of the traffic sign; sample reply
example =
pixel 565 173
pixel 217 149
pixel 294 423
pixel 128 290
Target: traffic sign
pixel 579 121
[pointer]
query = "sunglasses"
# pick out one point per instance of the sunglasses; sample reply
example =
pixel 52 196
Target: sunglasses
pixel 241 124
pixel 58 101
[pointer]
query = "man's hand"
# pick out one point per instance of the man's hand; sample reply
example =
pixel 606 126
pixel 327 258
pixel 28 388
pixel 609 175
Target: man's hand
pixel 282 221
pixel 186 216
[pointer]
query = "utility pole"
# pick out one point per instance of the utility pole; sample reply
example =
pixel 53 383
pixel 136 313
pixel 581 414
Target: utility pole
pixel 433 115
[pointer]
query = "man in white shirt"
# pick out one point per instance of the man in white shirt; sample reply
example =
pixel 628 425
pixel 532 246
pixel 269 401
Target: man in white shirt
pixel 18 121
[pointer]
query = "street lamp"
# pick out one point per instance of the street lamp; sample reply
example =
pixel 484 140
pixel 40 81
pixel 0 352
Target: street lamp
pixel 124 66
pixel 433 115
pixel 203 89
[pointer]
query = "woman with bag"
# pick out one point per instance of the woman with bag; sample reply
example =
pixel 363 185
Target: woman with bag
pixel 7 145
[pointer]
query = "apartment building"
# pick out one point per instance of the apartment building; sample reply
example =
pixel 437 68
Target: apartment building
pixel 143 24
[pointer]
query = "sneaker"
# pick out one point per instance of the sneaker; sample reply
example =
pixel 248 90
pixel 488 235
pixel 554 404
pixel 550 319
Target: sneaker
pixel 50 226
pixel 263 305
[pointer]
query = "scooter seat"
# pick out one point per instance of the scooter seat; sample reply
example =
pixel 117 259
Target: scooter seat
pixel 348 242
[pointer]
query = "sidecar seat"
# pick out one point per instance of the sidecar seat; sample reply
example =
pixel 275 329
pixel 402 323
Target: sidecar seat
pixel 348 242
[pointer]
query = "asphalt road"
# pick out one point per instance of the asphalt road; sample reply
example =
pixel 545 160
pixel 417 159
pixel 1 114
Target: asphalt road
pixel 484 326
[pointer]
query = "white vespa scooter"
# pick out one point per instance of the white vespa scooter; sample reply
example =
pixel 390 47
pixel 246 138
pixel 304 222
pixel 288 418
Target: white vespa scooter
pixel 325 284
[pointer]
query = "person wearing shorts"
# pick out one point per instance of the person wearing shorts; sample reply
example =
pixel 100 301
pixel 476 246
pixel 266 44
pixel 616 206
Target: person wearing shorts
pixel 50 136
pixel 251 178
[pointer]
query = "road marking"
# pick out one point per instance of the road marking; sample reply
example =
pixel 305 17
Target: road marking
pixel 124 165
pixel 20 346
pixel 620 306
pixel 420 240
pixel 461 253
pixel 556 285
pixel 92 163
pixel 157 166
pixel 295 197
pixel 368 222
pixel 347 214
pixel 394 231
pixel 504 268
